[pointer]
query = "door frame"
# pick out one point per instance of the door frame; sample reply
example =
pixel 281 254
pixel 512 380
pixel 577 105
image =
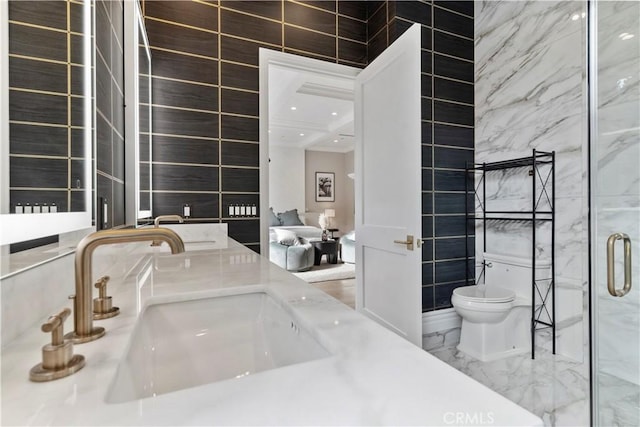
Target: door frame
pixel 269 57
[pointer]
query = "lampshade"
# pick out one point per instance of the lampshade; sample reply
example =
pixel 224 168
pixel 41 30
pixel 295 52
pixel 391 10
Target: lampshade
pixel 330 213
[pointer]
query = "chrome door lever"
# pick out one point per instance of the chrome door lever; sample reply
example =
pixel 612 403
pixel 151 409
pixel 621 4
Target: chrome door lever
pixel 611 261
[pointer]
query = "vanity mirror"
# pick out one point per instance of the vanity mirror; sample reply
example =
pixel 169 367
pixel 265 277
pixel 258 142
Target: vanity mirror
pixel 46 118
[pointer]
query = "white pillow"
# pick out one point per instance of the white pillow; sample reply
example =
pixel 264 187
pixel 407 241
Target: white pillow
pixel 286 237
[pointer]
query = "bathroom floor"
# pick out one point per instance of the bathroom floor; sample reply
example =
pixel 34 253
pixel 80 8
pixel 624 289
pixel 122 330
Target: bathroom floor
pixel 553 387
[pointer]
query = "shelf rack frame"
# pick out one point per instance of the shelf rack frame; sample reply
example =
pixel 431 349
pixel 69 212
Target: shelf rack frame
pixel 543 193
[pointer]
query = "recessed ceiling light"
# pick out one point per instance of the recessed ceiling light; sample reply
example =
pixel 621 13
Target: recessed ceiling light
pixel 575 17
pixel 302 134
pixel 334 114
pixel 335 140
pixel 626 36
pixel 293 108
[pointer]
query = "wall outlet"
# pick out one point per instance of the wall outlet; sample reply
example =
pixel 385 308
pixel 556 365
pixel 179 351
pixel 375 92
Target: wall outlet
pixel 19 209
pixel 186 210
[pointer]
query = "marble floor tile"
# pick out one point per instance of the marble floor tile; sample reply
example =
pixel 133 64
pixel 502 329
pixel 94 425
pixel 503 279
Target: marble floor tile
pixel 553 387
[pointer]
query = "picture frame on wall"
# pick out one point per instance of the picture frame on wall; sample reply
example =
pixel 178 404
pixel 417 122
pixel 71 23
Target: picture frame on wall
pixel 325 187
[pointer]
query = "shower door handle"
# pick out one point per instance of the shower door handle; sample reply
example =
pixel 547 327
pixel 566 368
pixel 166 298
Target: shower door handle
pixel 611 260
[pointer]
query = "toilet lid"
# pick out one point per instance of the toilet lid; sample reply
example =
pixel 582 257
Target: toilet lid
pixel 484 294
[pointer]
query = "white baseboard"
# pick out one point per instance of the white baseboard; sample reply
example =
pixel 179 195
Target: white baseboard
pixel 440 320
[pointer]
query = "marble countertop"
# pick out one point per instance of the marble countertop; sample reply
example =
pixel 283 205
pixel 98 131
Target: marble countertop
pixel 372 378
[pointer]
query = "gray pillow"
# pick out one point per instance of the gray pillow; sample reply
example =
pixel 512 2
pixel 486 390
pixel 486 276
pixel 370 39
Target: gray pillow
pixel 289 218
pixel 274 221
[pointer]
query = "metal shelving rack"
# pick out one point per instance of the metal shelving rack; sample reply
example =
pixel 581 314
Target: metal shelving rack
pixel 543 192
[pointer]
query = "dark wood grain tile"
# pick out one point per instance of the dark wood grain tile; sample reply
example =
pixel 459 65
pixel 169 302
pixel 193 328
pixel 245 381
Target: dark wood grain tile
pixel 76 17
pixel 77 80
pixel 426 133
pixel 427 205
pixel 37 75
pixel 454 68
pixel 77 181
pixel 103 31
pixel 239 102
pixel 240 154
pixel 240 180
pixel 117 112
pixel 451 158
pixel 118 157
pixel 104 193
pixel 427 155
pixel 453 90
pixel 453 135
pixel 77 143
pixel 183 67
pixel 182 39
pixel 465 7
pixel 428 298
pixel 266 8
pixel 446 180
pixel 449 225
pixel 202 205
pixel 443 294
pixel 37 42
pixel 321 4
pixel 242 128
pixel 240 76
pixel 44 13
pixel 77 49
pixel 450 248
pixel 184 178
pixel 308 17
pixel 103 89
pixel 244 230
pixel 376 45
pixel 37 107
pixel 185 95
pixel 189 13
pixel 427 273
pixel 452 22
pixel 37 172
pixel 397 27
pixel 309 41
pixel 449 203
pixel 426 108
pixel 352 29
pixel 377 21
pixel 242 51
pixel 104 149
pixel 184 150
pixel 415 11
pixel 117 206
pixel 250 27
pixel 38 140
pixel 453 45
pixel 448 112
pixel 353 9
pixel 352 51
pixel 180 122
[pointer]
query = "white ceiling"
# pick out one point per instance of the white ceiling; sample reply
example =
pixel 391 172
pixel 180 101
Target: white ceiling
pixel 312 125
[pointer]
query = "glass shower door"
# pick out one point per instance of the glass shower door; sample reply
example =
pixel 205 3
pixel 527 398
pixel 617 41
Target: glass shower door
pixel 615 211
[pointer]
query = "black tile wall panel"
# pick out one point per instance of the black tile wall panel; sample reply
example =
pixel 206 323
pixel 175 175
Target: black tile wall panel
pixel 427 184
pixel 117 19
pixel 427 202
pixel 251 27
pixel 103 88
pixel 453 225
pixel 103 30
pixel 454 68
pixel 240 102
pixel 450 248
pixel 450 271
pixel 118 203
pixel 448 180
pixel 428 298
pixel 354 9
pixel 374 5
pixel 77 111
pixel 77 80
pixel 77 180
pixel 184 67
pixel 443 294
pixel 243 51
pixel 117 115
pixel 265 8
pixel 415 11
pixel 426 108
pixel 183 39
pixel 449 112
pixel 377 21
pixel 77 143
pixel 352 51
pixel 180 122
pixel 427 250
pixel 255 248
pixel 453 45
pixel 309 41
pixel 239 76
pixel 426 154
pixel 37 42
pixel 37 107
pixel 453 90
pixel 37 75
pixel 104 148
pixel 465 7
pixel 426 61
pixel 426 134
pixel 376 45
pixel 193 14
pixel 352 29
pixel 38 172
pixel 310 55
pixel 185 95
pixel 452 22
pixel 449 203
pixel 240 180
pixel 427 273
pixel 244 231
pixel 453 135
pixel 77 49
pixel 42 13
pixel 320 4
pixel 398 26
pixel 239 199
pixel 203 205
pixel 452 158
pixel 38 140
pixel 315 19
pixel 184 178
pixel 118 157
pixel 427 226
pixel 240 154
pixel 184 150
pixel 242 128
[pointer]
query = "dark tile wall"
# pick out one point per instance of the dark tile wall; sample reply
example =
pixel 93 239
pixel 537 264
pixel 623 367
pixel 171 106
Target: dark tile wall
pixel 45 100
pixel 205 93
pixel 447 130
pixel 109 60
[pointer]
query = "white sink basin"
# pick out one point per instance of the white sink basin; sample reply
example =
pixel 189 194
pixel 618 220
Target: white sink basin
pixel 184 344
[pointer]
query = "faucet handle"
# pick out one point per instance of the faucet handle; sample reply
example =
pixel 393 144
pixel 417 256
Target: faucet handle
pixel 58 359
pixel 102 306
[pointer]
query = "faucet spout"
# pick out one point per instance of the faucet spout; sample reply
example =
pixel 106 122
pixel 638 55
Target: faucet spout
pixel 84 331
pixel 156 224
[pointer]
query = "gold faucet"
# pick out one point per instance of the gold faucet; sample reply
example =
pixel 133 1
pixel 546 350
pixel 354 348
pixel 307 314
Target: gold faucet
pixel 84 331
pixel 156 224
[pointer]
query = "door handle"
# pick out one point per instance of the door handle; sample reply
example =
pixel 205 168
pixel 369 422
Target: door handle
pixel 611 260
pixel 408 242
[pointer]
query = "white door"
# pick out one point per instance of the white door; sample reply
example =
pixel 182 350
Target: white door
pixel 388 188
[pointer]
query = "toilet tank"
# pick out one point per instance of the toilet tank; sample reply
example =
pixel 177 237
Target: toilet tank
pixel 515 273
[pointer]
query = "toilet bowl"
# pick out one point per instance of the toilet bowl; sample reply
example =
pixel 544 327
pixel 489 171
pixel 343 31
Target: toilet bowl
pixel 496 316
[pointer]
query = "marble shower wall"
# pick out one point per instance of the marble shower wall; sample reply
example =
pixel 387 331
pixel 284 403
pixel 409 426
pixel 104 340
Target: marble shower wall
pixel 530 93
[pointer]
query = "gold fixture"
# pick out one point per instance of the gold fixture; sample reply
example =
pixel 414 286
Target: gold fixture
pixel 156 224
pixel 102 306
pixel 58 360
pixel 84 331
pixel 611 261
pixel 408 242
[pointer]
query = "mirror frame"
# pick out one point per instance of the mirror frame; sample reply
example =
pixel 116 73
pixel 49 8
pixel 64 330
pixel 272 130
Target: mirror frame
pixel 15 227
pixel 133 26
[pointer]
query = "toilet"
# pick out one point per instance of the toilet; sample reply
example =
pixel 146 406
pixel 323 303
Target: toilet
pixel 496 315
